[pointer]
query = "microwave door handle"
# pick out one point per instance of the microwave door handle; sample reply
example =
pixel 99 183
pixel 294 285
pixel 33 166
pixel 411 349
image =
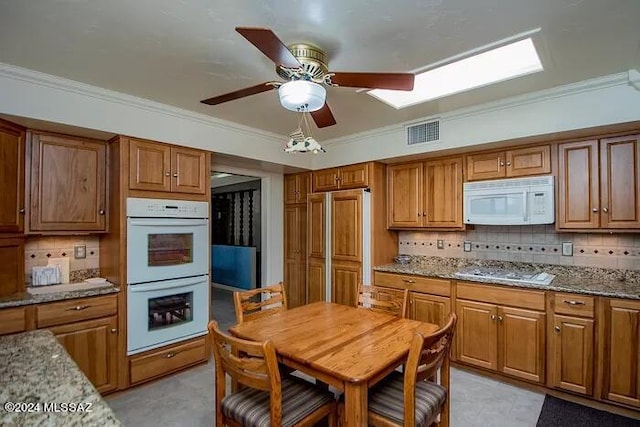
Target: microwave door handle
pixel 525 214
pixel 166 284
pixel 150 222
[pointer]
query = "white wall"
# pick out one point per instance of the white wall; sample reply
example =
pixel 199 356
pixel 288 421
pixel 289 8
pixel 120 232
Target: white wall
pixel 596 102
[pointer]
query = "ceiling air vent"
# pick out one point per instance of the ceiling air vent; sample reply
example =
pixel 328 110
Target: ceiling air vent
pixel 423 132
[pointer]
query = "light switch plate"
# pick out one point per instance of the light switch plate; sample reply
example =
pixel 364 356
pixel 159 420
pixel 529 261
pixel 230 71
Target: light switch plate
pixel 80 251
pixel 440 244
pixel 467 246
pixel 567 249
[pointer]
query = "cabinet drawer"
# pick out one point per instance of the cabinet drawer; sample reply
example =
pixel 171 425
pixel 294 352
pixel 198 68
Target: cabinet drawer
pixel 578 305
pixel 12 320
pixel 499 295
pixel 156 363
pixel 75 310
pixel 413 283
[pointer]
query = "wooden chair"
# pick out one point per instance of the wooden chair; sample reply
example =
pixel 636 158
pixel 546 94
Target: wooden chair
pixel 414 398
pixel 259 302
pixel 387 300
pixel 267 399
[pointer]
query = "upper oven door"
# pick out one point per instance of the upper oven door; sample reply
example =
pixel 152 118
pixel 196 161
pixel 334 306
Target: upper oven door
pixel 166 248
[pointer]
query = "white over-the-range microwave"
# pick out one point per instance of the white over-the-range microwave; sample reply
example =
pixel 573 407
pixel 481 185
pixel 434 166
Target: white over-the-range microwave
pixel 514 201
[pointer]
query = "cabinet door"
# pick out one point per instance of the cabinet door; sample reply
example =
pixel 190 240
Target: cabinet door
pixel 528 161
pixel 405 195
pixel 571 354
pixel 93 346
pixel 578 185
pixel 68 184
pixel 13 320
pixel 149 166
pixel 443 193
pixel 290 189
pixel 12 266
pixel 354 176
pixel 620 182
pixel 324 180
pixel 303 186
pixel 295 254
pixel 12 144
pixel 521 343
pixel 477 334
pixel 189 171
pixel 429 308
pixel 316 280
pixel 345 278
pixel 622 356
pixel 316 226
pixel 346 226
pixel 485 166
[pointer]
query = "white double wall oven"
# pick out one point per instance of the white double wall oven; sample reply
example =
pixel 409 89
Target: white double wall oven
pixel 167 272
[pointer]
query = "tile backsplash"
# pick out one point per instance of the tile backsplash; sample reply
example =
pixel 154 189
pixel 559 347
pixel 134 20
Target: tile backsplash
pixel 535 244
pixel 39 249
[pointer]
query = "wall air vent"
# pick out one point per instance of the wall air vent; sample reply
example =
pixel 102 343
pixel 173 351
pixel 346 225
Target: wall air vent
pixel 419 133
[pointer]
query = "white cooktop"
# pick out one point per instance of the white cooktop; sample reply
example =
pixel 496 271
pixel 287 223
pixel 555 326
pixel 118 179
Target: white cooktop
pixel 515 276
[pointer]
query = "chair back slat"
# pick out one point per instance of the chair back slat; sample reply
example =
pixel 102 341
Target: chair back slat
pixel 257 303
pixel 387 300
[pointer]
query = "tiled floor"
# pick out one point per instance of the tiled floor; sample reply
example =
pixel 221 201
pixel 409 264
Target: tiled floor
pixel 187 398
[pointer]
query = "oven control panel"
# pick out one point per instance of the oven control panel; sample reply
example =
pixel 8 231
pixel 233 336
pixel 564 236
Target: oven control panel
pixel 163 208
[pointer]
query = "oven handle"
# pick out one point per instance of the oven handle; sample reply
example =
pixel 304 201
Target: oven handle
pixel 154 222
pixel 167 284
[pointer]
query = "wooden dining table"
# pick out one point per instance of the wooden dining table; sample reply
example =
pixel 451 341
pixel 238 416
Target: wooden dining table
pixel 346 347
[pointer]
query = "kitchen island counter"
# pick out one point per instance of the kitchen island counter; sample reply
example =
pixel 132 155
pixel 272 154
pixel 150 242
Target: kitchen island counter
pixel 39 379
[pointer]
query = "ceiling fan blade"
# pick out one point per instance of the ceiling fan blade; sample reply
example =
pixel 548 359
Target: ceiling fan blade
pixel 268 43
pixel 395 81
pixel 323 117
pixel 248 91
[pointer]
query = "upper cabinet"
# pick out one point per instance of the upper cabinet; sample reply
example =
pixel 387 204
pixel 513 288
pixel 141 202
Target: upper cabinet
pixel 425 194
pixel 509 163
pixel 161 167
pixel 12 148
pixel 67 190
pixel 296 188
pixel 599 184
pixel 342 178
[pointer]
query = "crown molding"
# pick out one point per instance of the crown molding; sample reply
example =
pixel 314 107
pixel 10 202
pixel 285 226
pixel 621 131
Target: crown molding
pixel 619 79
pixel 72 86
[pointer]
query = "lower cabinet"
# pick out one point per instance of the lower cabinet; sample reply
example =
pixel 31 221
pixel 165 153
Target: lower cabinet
pixel 346 276
pixel 13 320
pixel 429 308
pixel 570 354
pixel 93 345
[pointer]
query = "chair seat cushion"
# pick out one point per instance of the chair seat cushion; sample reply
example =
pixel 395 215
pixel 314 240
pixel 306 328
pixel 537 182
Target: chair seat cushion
pixel 387 399
pixel 250 407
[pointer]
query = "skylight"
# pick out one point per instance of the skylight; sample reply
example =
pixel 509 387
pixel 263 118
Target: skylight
pixel 492 66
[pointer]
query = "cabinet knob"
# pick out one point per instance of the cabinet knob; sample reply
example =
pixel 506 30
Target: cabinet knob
pixel 101 211
pixel 493 317
pixel 500 318
pixel 167 174
pixel 424 214
pixel 170 355
pixel 605 210
pixel 573 302
pixel 508 163
pixel 21 210
pixel 78 308
pixel 114 330
pixel 500 162
pixel 595 210
pixel 408 281
pixel 557 328
pixel 419 213
pixel 175 175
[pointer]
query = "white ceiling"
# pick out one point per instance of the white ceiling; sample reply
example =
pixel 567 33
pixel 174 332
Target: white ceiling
pixel 181 51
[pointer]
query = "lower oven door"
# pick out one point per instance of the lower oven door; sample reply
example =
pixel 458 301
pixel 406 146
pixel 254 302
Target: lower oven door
pixel 165 312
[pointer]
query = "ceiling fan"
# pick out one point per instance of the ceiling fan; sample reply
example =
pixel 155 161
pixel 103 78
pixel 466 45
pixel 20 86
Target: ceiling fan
pixel 304 67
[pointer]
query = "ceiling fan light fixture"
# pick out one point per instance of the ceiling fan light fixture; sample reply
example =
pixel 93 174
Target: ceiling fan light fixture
pixel 299 95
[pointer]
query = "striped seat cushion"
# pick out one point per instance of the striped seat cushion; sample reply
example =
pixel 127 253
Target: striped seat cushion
pixel 387 399
pixel 250 407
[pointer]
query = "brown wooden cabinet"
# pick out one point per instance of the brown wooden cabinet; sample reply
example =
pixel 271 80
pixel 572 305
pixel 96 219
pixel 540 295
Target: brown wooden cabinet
pixel 622 352
pixel 12 166
pixel 571 354
pixel 503 338
pixel 154 166
pixel 295 254
pixel 13 320
pixel 12 266
pixel 429 308
pixel 426 195
pixel 296 188
pixel 508 164
pixel 599 184
pixel 67 184
pixel 342 178
pixel 345 278
pixel 316 248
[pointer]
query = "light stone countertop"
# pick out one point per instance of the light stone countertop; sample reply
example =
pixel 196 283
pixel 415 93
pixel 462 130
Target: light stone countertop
pixel 35 368
pixel 615 283
pixel 25 298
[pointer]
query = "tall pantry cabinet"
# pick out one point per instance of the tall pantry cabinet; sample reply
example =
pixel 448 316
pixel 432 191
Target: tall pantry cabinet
pixel 296 188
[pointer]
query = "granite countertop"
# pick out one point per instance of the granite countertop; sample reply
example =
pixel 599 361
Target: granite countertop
pixel 616 283
pixel 35 368
pixel 25 298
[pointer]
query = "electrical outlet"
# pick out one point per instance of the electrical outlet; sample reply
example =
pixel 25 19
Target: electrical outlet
pixel 80 251
pixel 440 244
pixel 467 246
pixel 567 249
